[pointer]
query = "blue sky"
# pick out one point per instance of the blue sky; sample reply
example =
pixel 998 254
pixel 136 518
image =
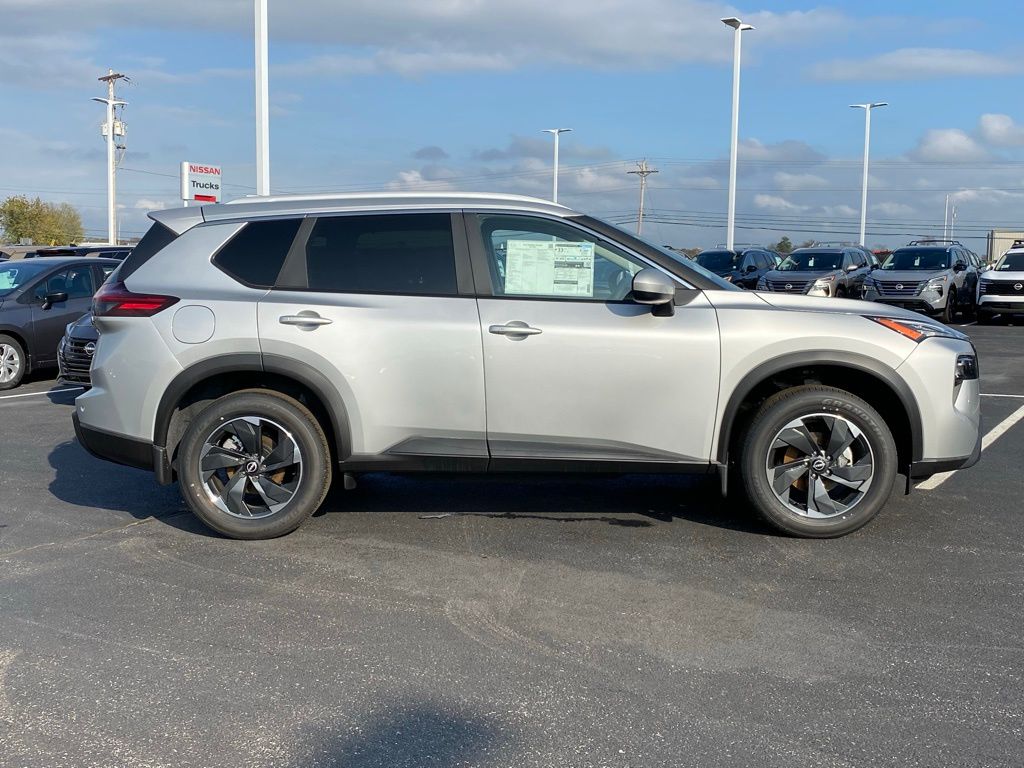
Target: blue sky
pixel 453 94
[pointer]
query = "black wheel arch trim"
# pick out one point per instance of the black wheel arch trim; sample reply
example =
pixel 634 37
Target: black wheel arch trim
pixel 851 360
pixel 286 367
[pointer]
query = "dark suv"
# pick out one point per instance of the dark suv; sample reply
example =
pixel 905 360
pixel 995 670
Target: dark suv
pixel 742 266
pixel 818 271
pixel 38 298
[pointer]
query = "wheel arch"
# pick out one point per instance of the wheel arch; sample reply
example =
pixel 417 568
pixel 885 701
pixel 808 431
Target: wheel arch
pixel 876 383
pixel 22 340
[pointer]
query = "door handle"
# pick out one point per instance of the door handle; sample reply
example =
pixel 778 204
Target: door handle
pixel 514 328
pixel 307 319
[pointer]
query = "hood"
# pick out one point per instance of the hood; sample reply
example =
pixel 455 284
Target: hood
pixel 800 276
pixel 83 328
pixel 797 302
pixel 990 274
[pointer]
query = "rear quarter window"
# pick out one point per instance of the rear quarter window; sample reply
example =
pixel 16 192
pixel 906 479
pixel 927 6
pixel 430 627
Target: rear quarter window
pixel 155 240
pixel 256 254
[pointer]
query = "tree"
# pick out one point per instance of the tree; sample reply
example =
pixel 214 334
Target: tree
pixel 784 246
pixel 808 243
pixel 42 223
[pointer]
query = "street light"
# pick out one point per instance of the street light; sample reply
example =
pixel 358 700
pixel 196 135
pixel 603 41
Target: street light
pixel 867 145
pixel 262 100
pixel 739 28
pixel 554 182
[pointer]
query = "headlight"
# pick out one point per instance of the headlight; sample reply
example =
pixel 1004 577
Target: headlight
pixel 68 327
pixel 822 286
pixel 917 330
pixel 762 284
pixel 936 284
pixel 727 278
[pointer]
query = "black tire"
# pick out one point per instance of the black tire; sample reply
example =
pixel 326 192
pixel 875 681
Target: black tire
pixel 948 313
pixel 307 479
pixel 14 354
pixel 819 404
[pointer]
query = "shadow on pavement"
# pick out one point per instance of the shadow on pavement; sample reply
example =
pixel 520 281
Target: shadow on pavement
pixel 414 736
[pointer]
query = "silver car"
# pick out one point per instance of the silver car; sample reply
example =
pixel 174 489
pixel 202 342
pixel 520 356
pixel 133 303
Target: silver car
pixel 255 350
pixel 929 276
pixel 1001 289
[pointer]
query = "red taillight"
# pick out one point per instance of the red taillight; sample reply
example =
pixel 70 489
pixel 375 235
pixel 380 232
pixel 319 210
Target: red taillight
pixel 115 300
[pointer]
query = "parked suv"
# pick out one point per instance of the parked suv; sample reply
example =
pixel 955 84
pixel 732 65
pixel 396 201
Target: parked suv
pixel 818 271
pixel 930 276
pixel 255 349
pixel 38 298
pixel 742 267
pixel 1001 289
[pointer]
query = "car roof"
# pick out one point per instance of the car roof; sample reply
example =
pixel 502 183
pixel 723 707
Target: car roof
pixel 181 219
pixel 59 261
pixel 822 249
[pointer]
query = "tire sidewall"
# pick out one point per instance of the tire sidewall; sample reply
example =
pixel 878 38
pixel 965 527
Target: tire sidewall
pixel 779 411
pixel 302 426
pixel 20 350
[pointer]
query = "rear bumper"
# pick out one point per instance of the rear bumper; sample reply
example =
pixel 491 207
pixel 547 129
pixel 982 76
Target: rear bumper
pixel 127 451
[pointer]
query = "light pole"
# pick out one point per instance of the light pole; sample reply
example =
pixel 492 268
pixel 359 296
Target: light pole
pixel 262 101
pixel 554 181
pixel 739 28
pixel 111 129
pixel 867 147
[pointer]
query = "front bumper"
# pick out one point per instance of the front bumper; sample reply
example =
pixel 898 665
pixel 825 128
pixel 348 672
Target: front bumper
pixel 1003 305
pixel 915 303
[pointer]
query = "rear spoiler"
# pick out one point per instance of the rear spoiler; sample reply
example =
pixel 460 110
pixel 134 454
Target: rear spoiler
pixel 179 220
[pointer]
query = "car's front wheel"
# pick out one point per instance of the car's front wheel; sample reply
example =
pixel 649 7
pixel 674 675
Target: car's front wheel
pixel 254 465
pixel 818 462
pixel 12 362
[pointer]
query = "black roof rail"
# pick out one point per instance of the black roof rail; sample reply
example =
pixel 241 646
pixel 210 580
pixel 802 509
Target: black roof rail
pixel 935 241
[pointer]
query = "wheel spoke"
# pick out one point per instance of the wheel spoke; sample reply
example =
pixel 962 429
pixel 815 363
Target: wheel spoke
pixel 218 457
pixel 787 474
pixel 840 438
pixel 800 438
pixel 233 493
pixel 282 456
pixel 247 433
pixel 852 476
pixel 819 501
pixel 271 492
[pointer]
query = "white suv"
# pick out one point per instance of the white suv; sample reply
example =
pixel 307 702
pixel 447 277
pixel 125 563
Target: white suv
pixel 253 350
pixel 1001 289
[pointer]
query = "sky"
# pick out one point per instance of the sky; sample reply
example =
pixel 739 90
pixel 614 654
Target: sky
pixel 454 94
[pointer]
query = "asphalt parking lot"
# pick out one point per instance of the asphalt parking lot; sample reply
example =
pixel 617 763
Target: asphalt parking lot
pixel 632 621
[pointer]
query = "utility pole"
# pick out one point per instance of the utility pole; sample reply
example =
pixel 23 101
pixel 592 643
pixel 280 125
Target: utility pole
pixel 739 28
pixel 262 101
pixel 110 130
pixel 643 171
pixel 554 182
pixel 945 220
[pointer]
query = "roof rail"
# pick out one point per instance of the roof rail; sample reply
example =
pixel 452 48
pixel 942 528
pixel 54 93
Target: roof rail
pixel 934 241
pixel 835 243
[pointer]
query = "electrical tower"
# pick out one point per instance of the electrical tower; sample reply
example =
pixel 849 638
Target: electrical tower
pixel 112 129
pixel 643 171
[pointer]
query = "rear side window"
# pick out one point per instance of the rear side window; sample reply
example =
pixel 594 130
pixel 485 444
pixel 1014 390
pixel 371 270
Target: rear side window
pixel 396 254
pixel 155 240
pixel 256 254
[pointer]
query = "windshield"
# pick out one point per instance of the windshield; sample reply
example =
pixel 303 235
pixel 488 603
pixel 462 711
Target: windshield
pixel 14 276
pixel 719 261
pixel 1011 262
pixel 924 259
pixel 812 261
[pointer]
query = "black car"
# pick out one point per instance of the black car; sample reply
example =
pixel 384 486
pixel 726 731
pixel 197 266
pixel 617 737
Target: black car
pixel 103 252
pixel 817 271
pixel 74 355
pixel 742 267
pixel 38 298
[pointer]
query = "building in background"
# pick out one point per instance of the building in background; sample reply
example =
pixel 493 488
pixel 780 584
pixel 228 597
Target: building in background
pixel 1000 240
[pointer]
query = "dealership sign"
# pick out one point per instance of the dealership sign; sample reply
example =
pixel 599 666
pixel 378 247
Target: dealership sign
pixel 200 182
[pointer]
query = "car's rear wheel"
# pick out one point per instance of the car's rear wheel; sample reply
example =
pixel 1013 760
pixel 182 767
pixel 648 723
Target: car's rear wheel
pixel 254 465
pixel 948 313
pixel 12 362
pixel 818 462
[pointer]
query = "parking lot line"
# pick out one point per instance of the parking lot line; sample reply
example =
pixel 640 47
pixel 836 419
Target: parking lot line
pixel 1018 397
pixel 994 434
pixel 47 392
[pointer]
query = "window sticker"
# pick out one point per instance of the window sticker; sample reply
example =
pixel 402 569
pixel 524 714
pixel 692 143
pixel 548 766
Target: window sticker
pixel 552 268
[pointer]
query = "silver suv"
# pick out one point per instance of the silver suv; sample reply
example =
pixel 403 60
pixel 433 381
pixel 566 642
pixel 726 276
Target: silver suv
pixel 254 350
pixel 932 276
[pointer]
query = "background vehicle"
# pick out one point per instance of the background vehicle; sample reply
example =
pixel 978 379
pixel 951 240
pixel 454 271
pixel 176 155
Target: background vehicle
pixel 742 267
pixel 38 298
pixel 818 271
pixel 102 251
pixel 253 349
pixel 76 348
pixel 930 276
pixel 1001 289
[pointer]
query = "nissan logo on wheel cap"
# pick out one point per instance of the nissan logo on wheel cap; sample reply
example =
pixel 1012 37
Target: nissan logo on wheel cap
pixel 90 348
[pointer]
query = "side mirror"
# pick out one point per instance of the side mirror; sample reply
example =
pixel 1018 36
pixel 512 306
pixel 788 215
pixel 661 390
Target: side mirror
pixel 959 267
pixel 54 298
pixel 751 268
pixel 852 267
pixel 653 287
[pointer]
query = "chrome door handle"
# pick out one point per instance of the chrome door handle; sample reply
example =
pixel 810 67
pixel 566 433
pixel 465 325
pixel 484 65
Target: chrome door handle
pixel 514 328
pixel 305 318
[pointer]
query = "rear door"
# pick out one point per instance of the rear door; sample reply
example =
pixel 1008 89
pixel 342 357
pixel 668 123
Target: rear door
pixel 383 305
pixel 49 320
pixel 574 369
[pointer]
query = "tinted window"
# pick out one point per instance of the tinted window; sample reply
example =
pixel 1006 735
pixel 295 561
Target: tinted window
pixel 718 261
pixel 927 259
pixel 399 254
pixel 15 274
pixel 1011 262
pixel 156 239
pixel 255 255
pixel 810 261
pixel 77 282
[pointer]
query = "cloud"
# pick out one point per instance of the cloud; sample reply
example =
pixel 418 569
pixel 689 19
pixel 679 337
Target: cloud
pixel 919 64
pixel 799 180
pixel 948 145
pixel 1000 131
pixel 753 149
pixel 775 204
pixel 896 210
pixel 541 148
pixel 432 152
pixel 840 211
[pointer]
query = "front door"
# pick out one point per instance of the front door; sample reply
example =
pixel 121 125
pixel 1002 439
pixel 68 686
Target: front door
pixel 50 319
pixel 574 369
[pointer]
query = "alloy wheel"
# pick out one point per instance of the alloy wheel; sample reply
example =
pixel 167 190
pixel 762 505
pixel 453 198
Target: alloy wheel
pixel 820 466
pixel 251 467
pixel 10 363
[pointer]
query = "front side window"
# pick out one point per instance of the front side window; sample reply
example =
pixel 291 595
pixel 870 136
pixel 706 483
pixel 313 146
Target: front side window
pixel 76 282
pixel 396 254
pixel 533 257
pixel 256 254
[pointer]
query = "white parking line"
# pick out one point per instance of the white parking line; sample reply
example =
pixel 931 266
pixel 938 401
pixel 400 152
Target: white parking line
pixel 1018 397
pixel 47 392
pixel 997 431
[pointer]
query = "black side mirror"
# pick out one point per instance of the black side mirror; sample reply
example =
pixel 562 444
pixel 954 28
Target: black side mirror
pixel 959 267
pixel 54 298
pixel 653 287
pixel 750 268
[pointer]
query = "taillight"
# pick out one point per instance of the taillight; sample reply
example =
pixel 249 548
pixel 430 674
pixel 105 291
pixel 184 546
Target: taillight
pixel 115 300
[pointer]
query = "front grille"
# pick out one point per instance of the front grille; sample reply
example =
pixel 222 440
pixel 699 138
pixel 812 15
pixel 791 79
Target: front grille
pixel 897 288
pixel 1002 288
pixel 75 361
pixel 788 286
